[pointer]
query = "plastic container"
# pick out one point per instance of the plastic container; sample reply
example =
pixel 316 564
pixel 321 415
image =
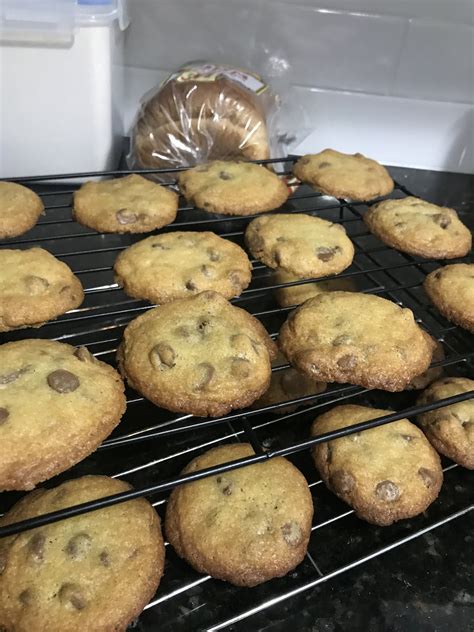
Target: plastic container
pixel 61 82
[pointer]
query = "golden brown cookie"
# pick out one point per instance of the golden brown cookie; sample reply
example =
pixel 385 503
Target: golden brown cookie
pixel 245 526
pixel 451 290
pixel 297 294
pixel 131 204
pixel 300 244
pixel 356 338
pixel 419 228
pixel 431 374
pixel 285 385
pixel 165 267
pixel 20 209
pixel 386 474
pixel 94 572
pixel 57 404
pixel 344 175
pixel 233 187
pixel 198 355
pixel 35 287
pixel 450 429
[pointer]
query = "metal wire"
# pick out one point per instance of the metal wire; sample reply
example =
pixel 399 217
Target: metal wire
pixel 99 324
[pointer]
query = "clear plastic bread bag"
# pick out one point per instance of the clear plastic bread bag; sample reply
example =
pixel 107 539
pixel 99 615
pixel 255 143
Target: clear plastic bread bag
pixel 202 112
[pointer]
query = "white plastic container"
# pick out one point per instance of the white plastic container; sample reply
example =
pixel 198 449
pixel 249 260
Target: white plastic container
pixel 61 83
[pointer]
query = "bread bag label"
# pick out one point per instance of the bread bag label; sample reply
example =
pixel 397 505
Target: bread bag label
pixel 211 72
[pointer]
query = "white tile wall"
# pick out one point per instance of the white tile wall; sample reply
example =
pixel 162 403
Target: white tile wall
pixel 413 59
pixel 329 49
pixel 437 62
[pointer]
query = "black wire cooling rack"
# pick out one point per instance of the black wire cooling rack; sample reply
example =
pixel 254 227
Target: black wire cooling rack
pixel 151 446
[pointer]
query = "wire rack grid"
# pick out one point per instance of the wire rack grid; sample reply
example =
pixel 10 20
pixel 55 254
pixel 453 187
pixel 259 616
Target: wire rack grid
pixel 151 446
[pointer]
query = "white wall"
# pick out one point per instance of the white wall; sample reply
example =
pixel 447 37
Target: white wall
pixel 393 78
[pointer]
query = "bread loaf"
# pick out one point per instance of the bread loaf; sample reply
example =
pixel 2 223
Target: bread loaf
pixel 203 112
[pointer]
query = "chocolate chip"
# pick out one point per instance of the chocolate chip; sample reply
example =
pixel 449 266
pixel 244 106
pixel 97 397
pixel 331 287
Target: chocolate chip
pixel 234 278
pixel 342 481
pixel 4 414
pixel 387 491
pixel 190 285
pixel 79 546
pixel 347 362
pixel 225 484
pixel 343 339
pixel 26 597
pixel 323 165
pixel 292 533
pixel 82 354
pixel 182 331
pixel 36 547
pixel 8 378
pixel 240 367
pixel 207 271
pixel 213 254
pixel 244 345
pixel 225 175
pixel 162 356
pixel 63 381
pixel 205 375
pixel 104 558
pixel 407 438
pixel 467 424
pixel 71 595
pixel 398 224
pixel 442 220
pixel 326 254
pixel 438 274
pixel 36 284
pixel 124 216
pixel 203 326
pixel 428 476
pixel 159 246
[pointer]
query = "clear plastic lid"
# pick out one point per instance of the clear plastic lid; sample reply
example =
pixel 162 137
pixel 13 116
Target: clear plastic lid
pixel 56 21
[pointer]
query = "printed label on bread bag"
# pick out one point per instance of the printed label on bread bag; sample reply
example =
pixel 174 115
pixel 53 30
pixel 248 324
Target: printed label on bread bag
pixel 211 72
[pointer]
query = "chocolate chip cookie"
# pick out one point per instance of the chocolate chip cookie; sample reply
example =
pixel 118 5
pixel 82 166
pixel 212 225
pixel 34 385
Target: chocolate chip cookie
pixel 297 294
pixel 450 429
pixel 433 373
pixel 356 338
pixel 285 385
pixel 165 267
pixel 419 228
pixel 57 404
pixel 20 209
pixel 300 244
pixel 233 187
pixel 451 290
pixel 245 526
pixel 35 287
pixel 198 355
pixel 93 572
pixel 131 204
pixel 344 175
pixel 386 474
